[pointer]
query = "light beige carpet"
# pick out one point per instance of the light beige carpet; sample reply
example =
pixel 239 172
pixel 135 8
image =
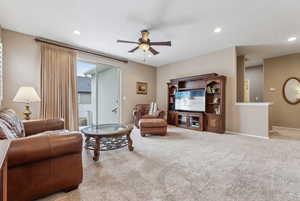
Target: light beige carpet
pixel 188 166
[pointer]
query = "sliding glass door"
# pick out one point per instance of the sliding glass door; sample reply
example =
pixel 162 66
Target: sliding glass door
pixel 98 93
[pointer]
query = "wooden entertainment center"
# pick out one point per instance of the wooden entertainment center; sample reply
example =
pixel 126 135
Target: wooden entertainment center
pixel 213 118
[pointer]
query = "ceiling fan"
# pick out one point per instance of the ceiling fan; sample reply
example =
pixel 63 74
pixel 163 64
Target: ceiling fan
pixel 145 43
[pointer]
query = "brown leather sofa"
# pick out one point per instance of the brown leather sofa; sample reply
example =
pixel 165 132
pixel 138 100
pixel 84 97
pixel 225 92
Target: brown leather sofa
pixel 141 111
pixel 42 158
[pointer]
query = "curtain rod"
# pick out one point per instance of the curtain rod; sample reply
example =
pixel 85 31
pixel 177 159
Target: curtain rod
pixel 72 47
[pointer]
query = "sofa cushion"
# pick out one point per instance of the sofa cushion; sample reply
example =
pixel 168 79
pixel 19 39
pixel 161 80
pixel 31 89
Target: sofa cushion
pixel 13 123
pixel 38 126
pixel 147 116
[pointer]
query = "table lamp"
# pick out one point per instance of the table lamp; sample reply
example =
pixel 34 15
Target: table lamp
pixel 27 95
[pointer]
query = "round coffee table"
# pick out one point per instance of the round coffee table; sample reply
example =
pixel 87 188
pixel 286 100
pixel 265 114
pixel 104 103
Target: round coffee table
pixel 98 132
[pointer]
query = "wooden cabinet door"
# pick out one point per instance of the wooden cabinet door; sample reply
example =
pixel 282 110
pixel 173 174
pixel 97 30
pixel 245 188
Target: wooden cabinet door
pixel 195 121
pixel 213 123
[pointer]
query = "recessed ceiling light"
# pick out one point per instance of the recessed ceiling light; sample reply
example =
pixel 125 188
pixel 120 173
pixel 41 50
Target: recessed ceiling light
pixel 218 30
pixel 149 55
pixel 291 39
pixel 76 32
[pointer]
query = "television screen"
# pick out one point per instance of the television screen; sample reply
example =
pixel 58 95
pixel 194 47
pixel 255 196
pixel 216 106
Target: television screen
pixel 190 100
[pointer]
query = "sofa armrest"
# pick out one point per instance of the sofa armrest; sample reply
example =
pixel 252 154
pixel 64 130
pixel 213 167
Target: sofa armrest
pixel 43 146
pixel 39 126
pixel 137 115
pixel 160 114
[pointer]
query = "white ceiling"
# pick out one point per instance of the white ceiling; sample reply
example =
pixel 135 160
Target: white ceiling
pixel 188 24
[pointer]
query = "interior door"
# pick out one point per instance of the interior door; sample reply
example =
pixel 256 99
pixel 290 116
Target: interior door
pixel 109 96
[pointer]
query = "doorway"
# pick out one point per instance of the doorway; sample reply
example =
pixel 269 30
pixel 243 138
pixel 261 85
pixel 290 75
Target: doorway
pixel 98 93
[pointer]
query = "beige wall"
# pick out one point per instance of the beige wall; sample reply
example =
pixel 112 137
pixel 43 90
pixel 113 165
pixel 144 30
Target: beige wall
pixel 276 71
pixel 132 73
pixel 21 62
pixel 22 67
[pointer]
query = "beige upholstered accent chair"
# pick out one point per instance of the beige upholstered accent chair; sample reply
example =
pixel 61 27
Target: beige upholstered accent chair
pixel 141 111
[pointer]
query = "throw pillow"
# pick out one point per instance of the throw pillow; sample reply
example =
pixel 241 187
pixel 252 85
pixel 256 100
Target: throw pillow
pixel 5 132
pixel 12 122
pixel 154 109
pixel 151 109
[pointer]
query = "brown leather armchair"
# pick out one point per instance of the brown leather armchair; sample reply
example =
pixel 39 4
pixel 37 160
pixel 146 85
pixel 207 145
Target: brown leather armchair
pixel 46 160
pixel 141 111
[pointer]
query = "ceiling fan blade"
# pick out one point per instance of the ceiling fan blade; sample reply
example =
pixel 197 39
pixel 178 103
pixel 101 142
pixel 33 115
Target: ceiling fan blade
pixel 125 41
pixel 134 49
pixel 153 51
pixel 167 43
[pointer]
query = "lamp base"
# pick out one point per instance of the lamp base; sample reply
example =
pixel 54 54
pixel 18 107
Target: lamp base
pixel 27 112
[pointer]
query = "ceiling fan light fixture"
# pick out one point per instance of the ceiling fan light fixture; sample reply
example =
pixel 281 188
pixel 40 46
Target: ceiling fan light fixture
pixel 144 46
pixel 145 35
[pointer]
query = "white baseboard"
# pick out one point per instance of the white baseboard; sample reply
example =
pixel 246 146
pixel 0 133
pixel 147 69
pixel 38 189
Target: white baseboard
pixel 248 135
pixel 285 128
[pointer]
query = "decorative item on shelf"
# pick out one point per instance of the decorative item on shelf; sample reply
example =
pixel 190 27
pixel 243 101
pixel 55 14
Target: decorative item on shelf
pixel 217 110
pixel 171 100
pixel 142 88
pixel 208 90
pixel 27 95
pixel 216 100
pixel 213 90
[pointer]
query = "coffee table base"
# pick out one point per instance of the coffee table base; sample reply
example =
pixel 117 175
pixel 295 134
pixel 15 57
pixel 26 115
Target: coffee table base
pixel 94 143
pixel 107 144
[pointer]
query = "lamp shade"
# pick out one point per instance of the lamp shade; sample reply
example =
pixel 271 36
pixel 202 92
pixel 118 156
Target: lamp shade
pixel 26 95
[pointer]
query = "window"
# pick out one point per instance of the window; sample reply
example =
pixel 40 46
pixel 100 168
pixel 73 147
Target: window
pixel 84 98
